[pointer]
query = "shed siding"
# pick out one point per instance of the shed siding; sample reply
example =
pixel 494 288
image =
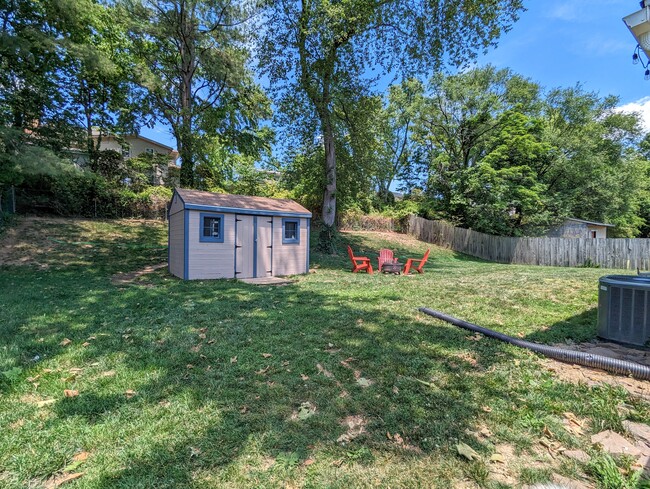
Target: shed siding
pixel 177 205
pixel 245 246
pixel 176 243
pixel 211 260
pixel 289 259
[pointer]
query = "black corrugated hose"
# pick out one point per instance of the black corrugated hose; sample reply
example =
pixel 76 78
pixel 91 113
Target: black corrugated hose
pixel 623 367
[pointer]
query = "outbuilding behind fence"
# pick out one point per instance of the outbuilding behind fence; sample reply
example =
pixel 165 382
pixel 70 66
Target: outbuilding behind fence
pixel 627 253
pixel 236 236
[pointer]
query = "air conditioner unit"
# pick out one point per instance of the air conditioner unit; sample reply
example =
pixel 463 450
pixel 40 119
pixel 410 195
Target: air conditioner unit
pixel 624 309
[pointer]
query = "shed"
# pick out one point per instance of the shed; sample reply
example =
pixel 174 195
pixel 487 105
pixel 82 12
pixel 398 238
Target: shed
pixel 236 236
pixel 579 228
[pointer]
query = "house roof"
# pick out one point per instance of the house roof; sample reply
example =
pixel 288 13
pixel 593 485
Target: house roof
pixel 96 133
pixel 246 204
pixel 593 223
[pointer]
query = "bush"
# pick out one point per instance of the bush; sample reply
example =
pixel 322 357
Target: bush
pixel 86 194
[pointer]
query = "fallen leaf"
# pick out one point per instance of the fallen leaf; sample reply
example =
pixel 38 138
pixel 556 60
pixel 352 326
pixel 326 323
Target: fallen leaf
pixel 62 479
pixel 195 452
pixel 210 342
pixel 189 366
pixel 308 462
pixel 337 463
pixel 90 338
pixel 548 433
pixel 485 432
pixel 487 409
pixel 243 409
pixel 395 390
pixel 467 451
pixel 81 456
pixel 233 359
pixel 76 370
pixel 202 336
pixel 85 343
pixel 263 370
pixel 129 393
pixel 65 342
pixel 497 457
pixel 363 382
pixel 304 377
pixel 267 355
pixel 70 393
pixel 33 379
pixel 285 363
pixel 306 410
pixel 322 370
pixel 46 402
pixel 108 373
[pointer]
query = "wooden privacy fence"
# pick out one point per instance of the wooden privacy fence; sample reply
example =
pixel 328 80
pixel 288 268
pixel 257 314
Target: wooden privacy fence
pixel 628 253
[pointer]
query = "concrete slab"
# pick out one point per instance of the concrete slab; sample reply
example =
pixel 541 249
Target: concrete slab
pixel 267 281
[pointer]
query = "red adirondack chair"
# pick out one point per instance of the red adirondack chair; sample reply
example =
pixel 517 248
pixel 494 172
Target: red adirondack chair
pixel 419 262
pixel 385 256
pixel 359 262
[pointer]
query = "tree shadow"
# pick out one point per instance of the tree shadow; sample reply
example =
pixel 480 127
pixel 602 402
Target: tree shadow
pixel 198 347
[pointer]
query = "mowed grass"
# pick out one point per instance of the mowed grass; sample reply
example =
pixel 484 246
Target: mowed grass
pixel 223 384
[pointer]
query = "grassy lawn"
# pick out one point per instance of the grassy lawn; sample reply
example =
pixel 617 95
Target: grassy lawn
pixel 333 381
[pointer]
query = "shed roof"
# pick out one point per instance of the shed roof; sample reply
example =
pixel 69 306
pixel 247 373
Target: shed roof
pixel 200 200
pixel 593 223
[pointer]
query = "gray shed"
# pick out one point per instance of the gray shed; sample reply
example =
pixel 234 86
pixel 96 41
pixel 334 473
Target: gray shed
pixel 579 228
pixel 236 236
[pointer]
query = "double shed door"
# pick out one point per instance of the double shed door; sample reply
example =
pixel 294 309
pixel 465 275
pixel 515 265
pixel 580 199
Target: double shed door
pixel 253 246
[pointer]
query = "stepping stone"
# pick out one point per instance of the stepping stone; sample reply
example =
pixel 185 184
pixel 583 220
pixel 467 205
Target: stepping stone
pixel 615 444
pixel 640 431
pixel 577 455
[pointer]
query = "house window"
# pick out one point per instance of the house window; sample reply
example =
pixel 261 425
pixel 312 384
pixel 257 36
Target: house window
pixel 290 231
pixel 126 151
pixel 211 229
pixel 149 151
pixel 593 234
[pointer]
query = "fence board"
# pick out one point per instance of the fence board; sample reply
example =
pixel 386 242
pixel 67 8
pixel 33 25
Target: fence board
pixel 623 253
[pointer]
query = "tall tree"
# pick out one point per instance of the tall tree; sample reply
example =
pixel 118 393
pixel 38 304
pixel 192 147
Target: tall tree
pixel 193 63
pixel 318 46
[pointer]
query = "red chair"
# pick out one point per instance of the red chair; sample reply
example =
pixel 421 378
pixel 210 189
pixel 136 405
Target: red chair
pixel 359 262
pixel 385 256
pixel 419 261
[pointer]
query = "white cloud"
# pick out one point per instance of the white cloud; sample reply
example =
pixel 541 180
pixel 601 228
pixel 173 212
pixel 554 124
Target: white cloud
pixel 642 107
pixel 581 11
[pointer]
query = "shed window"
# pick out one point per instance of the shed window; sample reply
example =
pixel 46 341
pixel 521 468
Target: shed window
pixel 211 228
pixel 594 234
pixel 290 231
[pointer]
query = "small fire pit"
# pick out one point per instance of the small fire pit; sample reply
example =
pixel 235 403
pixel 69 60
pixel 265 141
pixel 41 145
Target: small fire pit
pixel 394 267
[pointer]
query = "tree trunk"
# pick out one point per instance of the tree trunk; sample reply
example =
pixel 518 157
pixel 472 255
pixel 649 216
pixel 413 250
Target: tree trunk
pixel 329 195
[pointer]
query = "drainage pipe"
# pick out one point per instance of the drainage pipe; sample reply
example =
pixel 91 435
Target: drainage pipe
pixel 623 367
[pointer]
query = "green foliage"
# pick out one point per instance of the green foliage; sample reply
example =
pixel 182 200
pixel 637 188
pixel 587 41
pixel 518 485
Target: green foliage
pixel 192 62
pixel 609 476
pixel 89 195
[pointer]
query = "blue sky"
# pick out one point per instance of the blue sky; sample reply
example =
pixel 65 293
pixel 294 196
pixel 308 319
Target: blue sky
pixel 559 43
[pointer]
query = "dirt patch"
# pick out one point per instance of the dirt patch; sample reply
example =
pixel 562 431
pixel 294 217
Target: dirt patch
pixel 23 244
pixel 577 374
pixel 124 279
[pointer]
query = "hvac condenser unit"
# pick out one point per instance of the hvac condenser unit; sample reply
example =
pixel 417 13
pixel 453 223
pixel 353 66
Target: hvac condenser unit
pixel 624 309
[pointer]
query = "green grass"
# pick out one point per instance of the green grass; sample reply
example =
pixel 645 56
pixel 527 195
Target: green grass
pixel 220 369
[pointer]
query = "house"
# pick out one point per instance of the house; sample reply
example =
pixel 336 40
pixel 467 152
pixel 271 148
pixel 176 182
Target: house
pixel 236 236
pixel 129 146
pixel 579 228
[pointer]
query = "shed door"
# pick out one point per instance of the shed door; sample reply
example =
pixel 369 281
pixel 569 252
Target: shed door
pixel 253 247
pixel 244 246
pixel 264 246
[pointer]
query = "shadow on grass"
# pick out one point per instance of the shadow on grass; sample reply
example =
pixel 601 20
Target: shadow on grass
pixel 221 367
